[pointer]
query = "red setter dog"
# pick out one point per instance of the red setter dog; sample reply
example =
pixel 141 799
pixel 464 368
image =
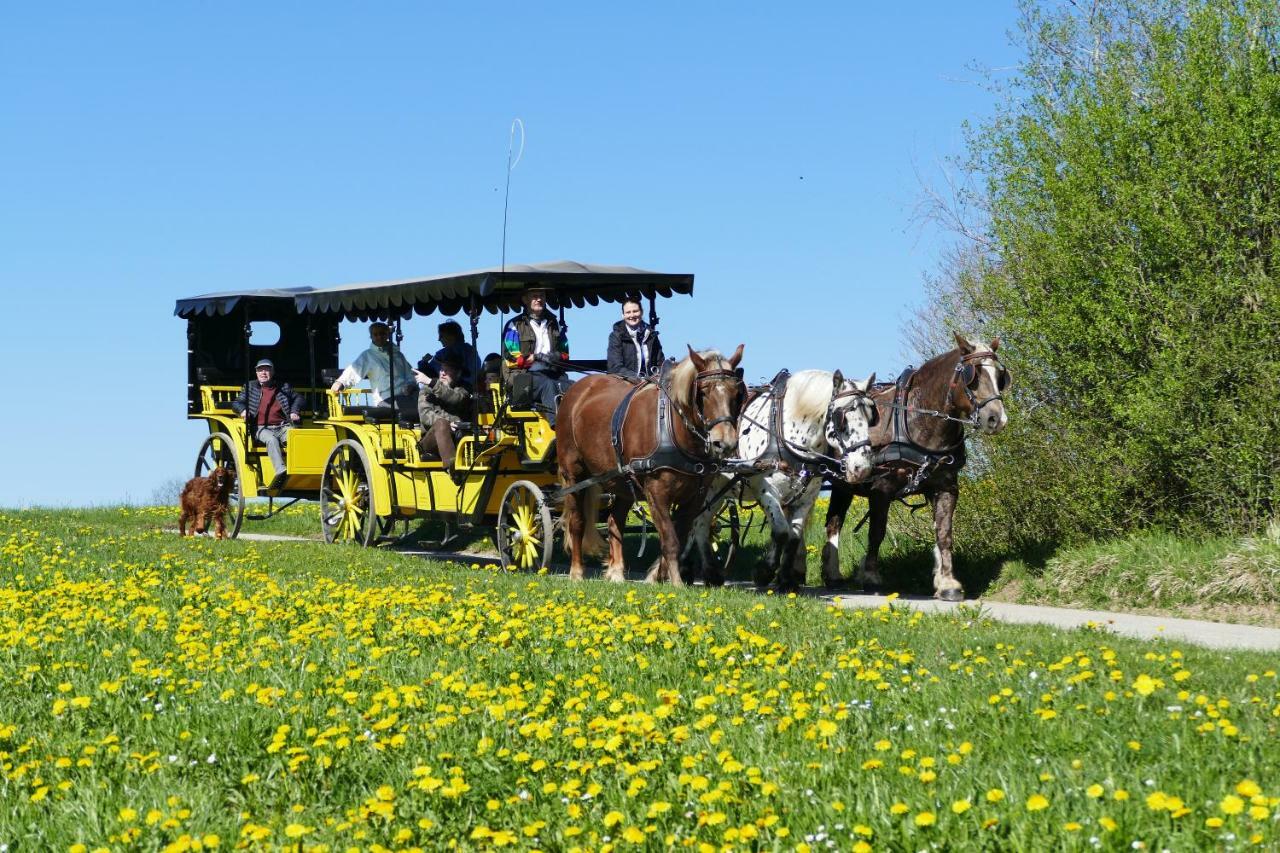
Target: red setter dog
pixel 204 498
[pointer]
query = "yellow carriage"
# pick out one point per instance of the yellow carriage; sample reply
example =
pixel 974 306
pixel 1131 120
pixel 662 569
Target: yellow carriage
pixel 361 462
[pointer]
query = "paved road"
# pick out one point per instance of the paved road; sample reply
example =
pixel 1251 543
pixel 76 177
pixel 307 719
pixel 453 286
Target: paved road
pixel 1216 635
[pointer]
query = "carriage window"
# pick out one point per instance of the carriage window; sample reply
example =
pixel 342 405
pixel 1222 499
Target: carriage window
pixel 265 333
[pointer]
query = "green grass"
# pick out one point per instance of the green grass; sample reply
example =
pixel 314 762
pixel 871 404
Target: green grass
pixel 158 691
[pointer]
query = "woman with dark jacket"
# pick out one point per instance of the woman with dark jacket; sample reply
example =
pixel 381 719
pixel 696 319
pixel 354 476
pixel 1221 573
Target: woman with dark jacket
pixel 634 348
pixel 443 402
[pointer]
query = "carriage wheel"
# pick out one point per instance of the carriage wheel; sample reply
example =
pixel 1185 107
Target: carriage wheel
pixel 726 535
pixel 220 449
pixel 524 528
pixel 346 496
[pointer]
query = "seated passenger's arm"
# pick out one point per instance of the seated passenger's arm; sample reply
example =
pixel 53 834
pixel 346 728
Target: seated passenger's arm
pixel 348 378
pixel 240 404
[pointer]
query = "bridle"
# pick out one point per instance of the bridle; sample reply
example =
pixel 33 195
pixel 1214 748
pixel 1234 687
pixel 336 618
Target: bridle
pixel 965 373
pixel 837 418
pixel 707 377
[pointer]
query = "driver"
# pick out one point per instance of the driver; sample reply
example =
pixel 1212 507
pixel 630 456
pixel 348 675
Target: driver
pixel 533 341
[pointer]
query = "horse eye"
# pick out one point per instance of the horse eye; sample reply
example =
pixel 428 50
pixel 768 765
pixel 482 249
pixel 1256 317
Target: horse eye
pixel 1004 380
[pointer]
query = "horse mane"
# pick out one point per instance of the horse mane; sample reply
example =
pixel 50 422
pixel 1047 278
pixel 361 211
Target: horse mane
pixel 680 387
pixel 808 395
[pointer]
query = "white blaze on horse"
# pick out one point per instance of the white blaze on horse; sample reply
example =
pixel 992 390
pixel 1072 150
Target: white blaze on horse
pixel 822 429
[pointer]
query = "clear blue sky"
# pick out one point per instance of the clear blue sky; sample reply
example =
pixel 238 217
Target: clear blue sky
pixel 150 151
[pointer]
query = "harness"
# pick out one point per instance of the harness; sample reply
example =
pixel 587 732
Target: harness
pixel 667 454
pixel 902 448
pixel 785 455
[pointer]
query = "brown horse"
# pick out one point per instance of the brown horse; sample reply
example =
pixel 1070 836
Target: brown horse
pixel 918 441
pixel 705 393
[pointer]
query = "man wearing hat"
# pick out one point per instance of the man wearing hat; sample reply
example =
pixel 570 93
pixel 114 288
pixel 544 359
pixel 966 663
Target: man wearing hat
pixel 270 408
pixel 533 341
pixel 376 365
pixel 444 401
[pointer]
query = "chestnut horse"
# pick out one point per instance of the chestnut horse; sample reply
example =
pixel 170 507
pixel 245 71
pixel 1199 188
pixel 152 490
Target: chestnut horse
pixel 918 441
pixel 705 393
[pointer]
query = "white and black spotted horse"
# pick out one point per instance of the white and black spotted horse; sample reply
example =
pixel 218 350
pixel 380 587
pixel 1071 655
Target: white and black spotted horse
pixel 824 429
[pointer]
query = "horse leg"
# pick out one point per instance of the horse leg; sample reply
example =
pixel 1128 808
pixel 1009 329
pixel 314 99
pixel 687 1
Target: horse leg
pixel 573 528
pixel 667 566
pixel 869 573
pixel 836 511
pixel 617 567
pixel 684 518
pixel 802 506
pixel 770 566
pixel 945 585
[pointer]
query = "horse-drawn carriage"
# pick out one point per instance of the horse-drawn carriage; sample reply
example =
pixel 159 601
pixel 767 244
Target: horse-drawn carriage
pixel 668 440
pixel 361 461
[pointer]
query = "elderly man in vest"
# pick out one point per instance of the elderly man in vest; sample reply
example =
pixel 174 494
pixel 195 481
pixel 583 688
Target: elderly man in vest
pixel 534 342
pixel 270 408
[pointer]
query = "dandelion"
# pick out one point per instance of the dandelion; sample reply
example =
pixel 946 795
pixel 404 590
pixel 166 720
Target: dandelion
pixel 1037 802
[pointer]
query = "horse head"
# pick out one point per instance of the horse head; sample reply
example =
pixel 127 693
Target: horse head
pixel 718 392
pixel 850 417
pixel 978 386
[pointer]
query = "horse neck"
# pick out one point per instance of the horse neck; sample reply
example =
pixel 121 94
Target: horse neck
pixel 811 429
pixel 931 390
pixel 681 412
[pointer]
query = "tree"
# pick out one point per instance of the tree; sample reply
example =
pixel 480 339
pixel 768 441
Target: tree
pixel 1130 208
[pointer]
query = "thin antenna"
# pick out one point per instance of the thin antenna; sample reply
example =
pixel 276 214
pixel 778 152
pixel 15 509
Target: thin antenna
pixel 506 196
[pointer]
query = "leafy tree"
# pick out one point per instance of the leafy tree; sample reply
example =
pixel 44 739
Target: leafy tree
pixel 1128 210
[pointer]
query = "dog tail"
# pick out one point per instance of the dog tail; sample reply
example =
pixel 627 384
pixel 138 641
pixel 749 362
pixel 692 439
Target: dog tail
pixel 593 543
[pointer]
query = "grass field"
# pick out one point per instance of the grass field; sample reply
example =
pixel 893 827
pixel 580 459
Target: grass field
pixel 165 693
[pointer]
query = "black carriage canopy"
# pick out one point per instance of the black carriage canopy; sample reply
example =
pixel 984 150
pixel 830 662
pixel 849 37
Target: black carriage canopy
pixel 494 289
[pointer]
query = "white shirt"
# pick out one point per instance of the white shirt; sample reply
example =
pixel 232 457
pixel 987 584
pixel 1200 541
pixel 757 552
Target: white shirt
pixel 635 333
pixel 542 340
pixel 375 365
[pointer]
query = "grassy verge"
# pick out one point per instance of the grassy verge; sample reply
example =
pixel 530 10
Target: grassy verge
pixel 158 691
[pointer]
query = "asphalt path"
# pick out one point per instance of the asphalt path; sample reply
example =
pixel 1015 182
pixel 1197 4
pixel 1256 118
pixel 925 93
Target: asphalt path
pixel 1215 635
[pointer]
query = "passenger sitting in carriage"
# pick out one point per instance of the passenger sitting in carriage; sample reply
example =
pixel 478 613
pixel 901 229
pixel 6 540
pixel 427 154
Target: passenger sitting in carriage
pixel 443 402
pixel 634 348
pixel 534 342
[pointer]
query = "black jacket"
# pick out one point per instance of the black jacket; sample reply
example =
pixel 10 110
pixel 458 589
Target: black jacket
pixel 251 396
pixel 622 352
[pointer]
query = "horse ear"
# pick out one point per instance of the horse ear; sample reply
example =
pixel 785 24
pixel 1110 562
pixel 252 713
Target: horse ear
pixel 871 380
pixel 736 357
pixel 837 380
pixel 698 362
pixel 995 344
pixel 963 343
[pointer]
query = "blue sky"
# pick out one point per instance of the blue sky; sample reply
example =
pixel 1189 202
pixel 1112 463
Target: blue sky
pixel 151 151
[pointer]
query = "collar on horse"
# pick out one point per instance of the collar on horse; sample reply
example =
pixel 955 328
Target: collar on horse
pixel 780 453
pixel 668 454
pixel 903 448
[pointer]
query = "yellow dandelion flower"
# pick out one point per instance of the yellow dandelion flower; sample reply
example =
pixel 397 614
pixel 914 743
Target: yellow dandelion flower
pixel 995 795
pixel 926 819
pixel 1094 791
pixel 961 806
pixel 1231 804
pixel 1037 802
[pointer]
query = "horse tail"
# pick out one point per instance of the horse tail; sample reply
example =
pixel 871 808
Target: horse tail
pixel 593 543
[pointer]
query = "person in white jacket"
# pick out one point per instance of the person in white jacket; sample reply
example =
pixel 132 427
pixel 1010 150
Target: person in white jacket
pixel 375 364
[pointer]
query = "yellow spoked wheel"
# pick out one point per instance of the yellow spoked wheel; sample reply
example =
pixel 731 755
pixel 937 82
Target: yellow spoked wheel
pixel 220 449
pixel 346 497
pixel 524 528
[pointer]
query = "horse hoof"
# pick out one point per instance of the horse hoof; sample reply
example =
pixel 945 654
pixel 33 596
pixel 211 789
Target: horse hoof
pixel 954 594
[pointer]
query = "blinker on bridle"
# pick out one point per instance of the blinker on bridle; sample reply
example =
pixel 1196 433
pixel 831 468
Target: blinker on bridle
pixel 720 374
pixel 967 372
